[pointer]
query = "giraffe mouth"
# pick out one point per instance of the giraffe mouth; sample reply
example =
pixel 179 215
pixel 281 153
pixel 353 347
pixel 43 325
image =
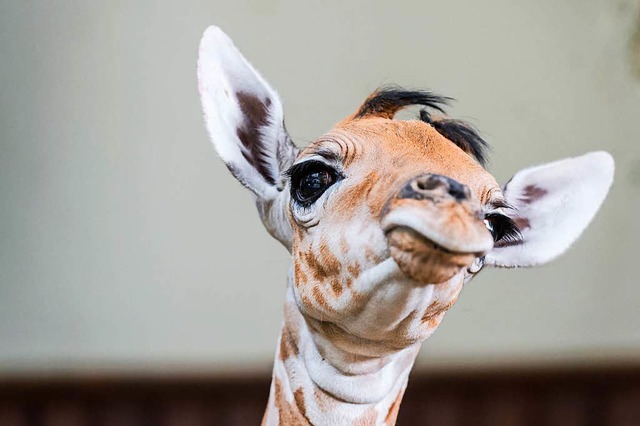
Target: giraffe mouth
pixel 424 260
pixel 425 241
pixel 432 247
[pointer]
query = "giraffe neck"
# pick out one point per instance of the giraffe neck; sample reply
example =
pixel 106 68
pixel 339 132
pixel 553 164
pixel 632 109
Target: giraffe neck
pixel 316 381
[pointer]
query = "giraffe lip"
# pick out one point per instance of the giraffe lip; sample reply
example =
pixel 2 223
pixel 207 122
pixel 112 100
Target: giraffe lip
pixel 468 238
pixel 423 260
pixel 426 240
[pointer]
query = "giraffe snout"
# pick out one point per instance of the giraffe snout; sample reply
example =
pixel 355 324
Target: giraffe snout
pixel 434 228
pixel 434 187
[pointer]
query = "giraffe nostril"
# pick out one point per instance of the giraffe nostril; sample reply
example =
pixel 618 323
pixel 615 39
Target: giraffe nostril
pixel 433 185
pixel 427 183
pixel 458 190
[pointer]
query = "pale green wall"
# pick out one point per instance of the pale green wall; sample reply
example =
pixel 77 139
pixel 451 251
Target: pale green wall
pixel 124 241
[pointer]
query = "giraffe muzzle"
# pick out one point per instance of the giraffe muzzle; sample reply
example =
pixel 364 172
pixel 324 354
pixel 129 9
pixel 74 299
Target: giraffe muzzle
pixel 434 228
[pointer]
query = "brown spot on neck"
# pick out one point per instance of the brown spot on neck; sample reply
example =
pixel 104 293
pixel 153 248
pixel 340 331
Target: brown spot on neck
pixel 354 269
pixel 371 256
pixel 319 297
pixel 443 299
pixel 298 397
pixel 322 264
pixel 344 245
pixel 290 333
pixel 392 414
pixel 324 267
pixel 436 308
pixel 349 282
pixel 336 287
pixel 300 277
pixel 290 413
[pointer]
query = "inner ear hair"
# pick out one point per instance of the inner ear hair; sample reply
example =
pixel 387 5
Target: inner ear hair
pixel 254 149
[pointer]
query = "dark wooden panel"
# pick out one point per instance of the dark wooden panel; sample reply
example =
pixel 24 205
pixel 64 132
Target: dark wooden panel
pixel 64 413
pixel 12 414
pixel 559 397
pixel 623 407
pixel 566 408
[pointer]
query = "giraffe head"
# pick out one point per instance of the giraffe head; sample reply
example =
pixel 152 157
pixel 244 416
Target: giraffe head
pixel 386 219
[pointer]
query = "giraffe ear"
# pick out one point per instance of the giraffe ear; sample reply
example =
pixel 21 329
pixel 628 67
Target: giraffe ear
pixel 243 116
pixel 553 203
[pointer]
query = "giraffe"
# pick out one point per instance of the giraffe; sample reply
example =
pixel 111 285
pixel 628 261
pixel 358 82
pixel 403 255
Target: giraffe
pixel 385 220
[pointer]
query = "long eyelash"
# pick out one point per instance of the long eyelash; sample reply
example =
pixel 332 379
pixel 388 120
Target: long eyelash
pixel 512 233
pixel 306 165
pixel 508 227
pixel 302 167
pixel 293 169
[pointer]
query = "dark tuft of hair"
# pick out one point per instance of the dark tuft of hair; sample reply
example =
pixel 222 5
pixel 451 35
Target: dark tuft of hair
pixel 463 135
pixel 388 100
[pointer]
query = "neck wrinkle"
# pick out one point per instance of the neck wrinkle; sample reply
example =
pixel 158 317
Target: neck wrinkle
pixel 317 381
pixel 349 354
pixel 347 376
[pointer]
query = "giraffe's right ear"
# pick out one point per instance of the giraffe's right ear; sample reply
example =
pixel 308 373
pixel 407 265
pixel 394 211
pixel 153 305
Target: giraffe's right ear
pixel 243 116
pixel 552 205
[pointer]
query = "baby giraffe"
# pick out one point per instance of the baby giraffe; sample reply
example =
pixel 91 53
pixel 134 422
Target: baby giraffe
pixel 386 220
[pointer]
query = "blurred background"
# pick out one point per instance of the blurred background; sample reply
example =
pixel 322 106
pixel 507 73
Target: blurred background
pixel 134 271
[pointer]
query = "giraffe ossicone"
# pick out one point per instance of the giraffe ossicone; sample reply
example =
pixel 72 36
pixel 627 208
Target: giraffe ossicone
pixel 385 221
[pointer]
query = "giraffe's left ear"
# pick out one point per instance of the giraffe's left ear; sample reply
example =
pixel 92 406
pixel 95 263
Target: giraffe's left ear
pixel 553 203
pixel 243 116
pixel 245 121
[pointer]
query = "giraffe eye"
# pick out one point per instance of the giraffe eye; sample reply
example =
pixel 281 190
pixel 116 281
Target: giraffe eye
pixel 309 180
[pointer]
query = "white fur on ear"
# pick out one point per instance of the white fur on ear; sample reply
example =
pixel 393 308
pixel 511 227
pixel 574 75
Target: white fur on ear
pixel 553 204
pixel 243 115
